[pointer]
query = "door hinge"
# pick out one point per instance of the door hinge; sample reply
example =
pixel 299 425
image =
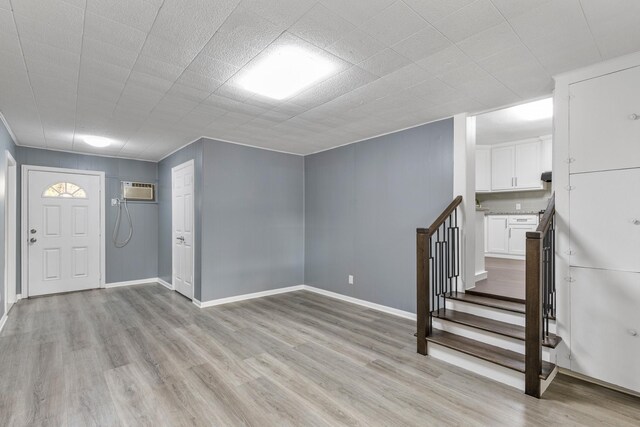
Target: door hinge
pixel 569 187
pixel 569 252
pixel 569 279
pixel 570 160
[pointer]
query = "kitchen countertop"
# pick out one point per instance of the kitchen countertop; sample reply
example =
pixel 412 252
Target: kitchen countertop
pixel 514 213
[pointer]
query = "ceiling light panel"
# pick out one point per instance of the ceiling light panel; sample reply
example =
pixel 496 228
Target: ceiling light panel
pixel 285 72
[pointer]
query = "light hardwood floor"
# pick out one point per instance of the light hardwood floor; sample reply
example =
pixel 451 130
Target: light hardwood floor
pixel 505 277
pixel 144 355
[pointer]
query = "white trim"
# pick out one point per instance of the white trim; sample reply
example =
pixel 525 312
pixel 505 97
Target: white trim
pixel 368 304
pixel 379 135
pixel 192 164
pixel 9 131
pixel 352 300
pixel 211 138
pixel 481 275
pixel 479 366
pixel 3 321
pixel 132 283
pixel 164 283
pixel 245 297
pixel 18 297
pixel 592 380
pixel 82 153
pixel 24 256
pixel 504 256
pixel 10 234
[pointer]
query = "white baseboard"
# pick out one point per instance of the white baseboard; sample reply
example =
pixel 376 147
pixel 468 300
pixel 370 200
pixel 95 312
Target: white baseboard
pixel 132 282
pixel 165 284
pixel 481 275
pixel 505 256
pixel 3 321
pixel 212 303
pixel 372 305
pixel 368 304
pixel 18 297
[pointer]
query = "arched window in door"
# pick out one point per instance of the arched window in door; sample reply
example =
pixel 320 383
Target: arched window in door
pixel 65 189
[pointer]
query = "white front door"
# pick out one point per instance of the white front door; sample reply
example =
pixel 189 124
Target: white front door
pixel 63 232
pixel 182 223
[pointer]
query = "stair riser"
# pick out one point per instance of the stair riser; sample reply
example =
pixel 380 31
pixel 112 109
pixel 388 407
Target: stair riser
pixel 492 313
pixel 490 338
pixel 481 367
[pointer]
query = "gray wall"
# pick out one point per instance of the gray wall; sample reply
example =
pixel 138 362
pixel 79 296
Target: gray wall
pixel 363 203
pixel 6 143
pixel 137 260
pixel 190 152
pixel 253 235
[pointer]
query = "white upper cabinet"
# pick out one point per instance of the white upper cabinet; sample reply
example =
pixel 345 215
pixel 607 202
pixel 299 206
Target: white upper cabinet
pixel 483 168
pixel 517 166
pixel 527 166
pixel 604 122
pixel 502 168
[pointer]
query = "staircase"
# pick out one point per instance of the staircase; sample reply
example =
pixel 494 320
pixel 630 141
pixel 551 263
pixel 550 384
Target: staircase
pixel 482 333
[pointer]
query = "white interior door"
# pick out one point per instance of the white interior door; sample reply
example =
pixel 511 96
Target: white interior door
pixel 63 232
pixel 182 198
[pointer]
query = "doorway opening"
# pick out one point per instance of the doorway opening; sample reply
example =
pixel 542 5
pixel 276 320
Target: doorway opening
pixel 513 186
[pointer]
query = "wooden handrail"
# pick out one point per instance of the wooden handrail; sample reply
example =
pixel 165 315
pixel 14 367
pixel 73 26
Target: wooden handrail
pixel 423 273
pixel 534 292
pixel 545 222
pixel 443 216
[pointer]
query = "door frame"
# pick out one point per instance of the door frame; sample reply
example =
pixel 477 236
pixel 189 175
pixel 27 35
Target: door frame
pixel 10 224
pixel 193 223
pixel 24 218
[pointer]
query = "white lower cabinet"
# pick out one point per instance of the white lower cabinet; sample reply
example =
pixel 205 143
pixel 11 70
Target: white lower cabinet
pixel 507 234
pixel 497 234
pixel 605 325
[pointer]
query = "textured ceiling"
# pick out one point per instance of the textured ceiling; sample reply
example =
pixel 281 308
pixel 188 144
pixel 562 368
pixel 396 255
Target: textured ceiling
pixel 505 125
pixel 157 74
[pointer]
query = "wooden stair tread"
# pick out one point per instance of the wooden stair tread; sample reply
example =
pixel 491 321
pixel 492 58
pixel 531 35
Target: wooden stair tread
pixel 514 307
pixel 494 296
pixel 490 325
pixel 499 356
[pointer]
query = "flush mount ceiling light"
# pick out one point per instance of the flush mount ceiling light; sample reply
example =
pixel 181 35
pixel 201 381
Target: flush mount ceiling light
pixel 97 141
pixel 536 110
pixel 285 72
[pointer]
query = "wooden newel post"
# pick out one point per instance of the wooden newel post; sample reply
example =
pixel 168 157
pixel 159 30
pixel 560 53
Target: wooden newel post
pixel 533 314
pixel 422 288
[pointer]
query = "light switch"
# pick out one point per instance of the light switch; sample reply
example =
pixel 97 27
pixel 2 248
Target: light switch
pixel 351 279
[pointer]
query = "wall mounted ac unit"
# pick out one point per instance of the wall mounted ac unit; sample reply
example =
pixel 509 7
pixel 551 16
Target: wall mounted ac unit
pixel 141 191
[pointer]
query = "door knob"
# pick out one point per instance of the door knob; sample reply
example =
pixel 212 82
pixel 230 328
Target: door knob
pixel 634 117
pixel 33 231
pixel 33 240
pixel 181 238
pixel 633 332
pixel 635 221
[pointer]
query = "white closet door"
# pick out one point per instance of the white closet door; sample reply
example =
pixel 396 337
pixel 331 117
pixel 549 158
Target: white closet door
pixel 605 326
pixel 605 220
pixel 604 122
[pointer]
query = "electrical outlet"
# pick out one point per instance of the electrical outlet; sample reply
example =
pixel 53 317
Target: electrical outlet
pixel 351 279
pixel 114 202
pixel 518 206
